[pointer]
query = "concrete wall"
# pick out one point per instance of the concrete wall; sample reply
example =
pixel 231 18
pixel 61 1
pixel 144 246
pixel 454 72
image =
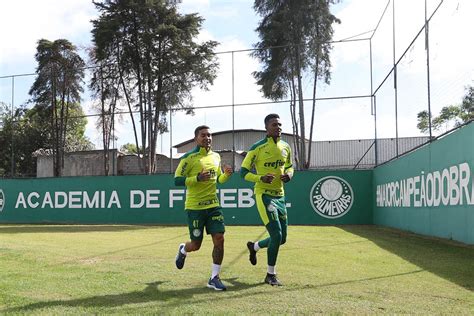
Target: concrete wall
pixel 128 164
pixel 82 163
pixel 90 163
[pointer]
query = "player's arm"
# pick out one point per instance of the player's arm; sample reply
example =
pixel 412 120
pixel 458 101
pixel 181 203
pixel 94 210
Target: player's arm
pixel 288 169
pixel 247 165
pixel 182 176
pixel 223 177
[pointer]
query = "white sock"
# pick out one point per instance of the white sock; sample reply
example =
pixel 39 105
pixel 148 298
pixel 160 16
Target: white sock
pixel 256 247
pixel 216 269
pixel 271 270
pixel 184 252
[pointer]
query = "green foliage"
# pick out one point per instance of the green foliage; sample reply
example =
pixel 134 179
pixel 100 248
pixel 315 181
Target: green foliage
pixel 60 72
pixel 467 106
pixel 449 115
pixel 148 56
pixel 30 130
pixel 129 149
pixel 294 38
pixel 58 85
pixel 423 121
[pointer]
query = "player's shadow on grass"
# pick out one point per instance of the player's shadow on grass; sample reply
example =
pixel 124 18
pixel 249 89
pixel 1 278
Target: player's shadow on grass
pixel 449 260
pixel 21 229
pixel 151 293
pixel 171 299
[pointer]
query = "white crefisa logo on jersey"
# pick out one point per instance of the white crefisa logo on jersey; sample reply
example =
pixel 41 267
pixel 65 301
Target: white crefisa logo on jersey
pixel 2 200
pixel 331 197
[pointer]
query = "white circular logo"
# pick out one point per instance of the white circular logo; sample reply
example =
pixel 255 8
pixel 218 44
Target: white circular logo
pixel 331 197
pixel 2 200
pixel 196 232
pixel 271 208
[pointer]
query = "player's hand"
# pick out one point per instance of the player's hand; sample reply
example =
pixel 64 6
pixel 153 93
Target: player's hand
pixel 286 177
pixel 228 170
pixel 268 178
pixel 204 175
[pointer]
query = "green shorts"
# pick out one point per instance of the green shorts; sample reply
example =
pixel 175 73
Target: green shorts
pixel 271 208
pixel 211 218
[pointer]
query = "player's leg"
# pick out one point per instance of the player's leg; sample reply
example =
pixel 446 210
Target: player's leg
pixel 283 217
pixel 275 230
pixel 253 247
pixel 279 229
pixel 216 228
pixel 277 226
pixel 196 222
pixel 268 210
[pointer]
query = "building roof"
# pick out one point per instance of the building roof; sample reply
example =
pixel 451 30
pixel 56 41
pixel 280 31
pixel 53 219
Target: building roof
pixel 248 130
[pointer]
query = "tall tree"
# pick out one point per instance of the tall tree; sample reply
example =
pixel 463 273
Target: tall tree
pixel 6 140
pixel 58 84
pixel 449 115
pixel 294 38
pixel 158 63
pixel 105 86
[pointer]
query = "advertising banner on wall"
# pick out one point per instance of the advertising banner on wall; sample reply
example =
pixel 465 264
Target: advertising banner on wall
pixel 430 191
pixel 312 197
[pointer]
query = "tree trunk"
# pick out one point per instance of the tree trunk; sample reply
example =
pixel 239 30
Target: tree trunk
pixel 296 136
pixel 158 105
pixel 127 97
pixel 151 147
pixel 313 110
pixel 105 132
pixel 301 112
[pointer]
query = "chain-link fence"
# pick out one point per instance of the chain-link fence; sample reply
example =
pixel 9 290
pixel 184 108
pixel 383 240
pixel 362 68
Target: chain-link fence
pixel 410 62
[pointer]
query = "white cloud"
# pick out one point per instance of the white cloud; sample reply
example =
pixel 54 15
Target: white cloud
pixel 24 22
pixel 190 6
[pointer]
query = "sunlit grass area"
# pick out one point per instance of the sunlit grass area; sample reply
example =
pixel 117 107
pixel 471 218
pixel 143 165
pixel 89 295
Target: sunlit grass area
pixel 52 269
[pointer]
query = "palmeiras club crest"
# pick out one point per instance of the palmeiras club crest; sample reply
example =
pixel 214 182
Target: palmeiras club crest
pixel 2 200
pixel 331 197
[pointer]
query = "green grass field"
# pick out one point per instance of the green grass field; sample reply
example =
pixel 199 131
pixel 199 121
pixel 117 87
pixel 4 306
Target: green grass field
pixel 331 270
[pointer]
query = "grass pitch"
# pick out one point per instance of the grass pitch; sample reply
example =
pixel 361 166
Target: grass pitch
pixel 130 270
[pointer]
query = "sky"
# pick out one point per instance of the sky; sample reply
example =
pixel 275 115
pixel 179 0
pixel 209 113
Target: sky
pixel 345 112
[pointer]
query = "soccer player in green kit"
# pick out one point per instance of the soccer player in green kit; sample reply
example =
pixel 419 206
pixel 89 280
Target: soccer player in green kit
pixel 199 170
pixel 268 163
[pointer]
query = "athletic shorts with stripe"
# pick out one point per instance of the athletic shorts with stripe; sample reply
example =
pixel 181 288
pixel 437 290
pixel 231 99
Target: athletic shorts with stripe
pixel 212 219
pixel 271 208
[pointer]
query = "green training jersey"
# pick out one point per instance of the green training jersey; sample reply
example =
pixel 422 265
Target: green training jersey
pixel 267 156
pixel 200 194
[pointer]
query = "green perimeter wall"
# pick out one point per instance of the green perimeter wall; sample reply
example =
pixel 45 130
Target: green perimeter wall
pixel 155 200
pixel 431 190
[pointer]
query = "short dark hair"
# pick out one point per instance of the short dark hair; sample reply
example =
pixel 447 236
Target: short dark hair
pixel 269 117
pixel 196 131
